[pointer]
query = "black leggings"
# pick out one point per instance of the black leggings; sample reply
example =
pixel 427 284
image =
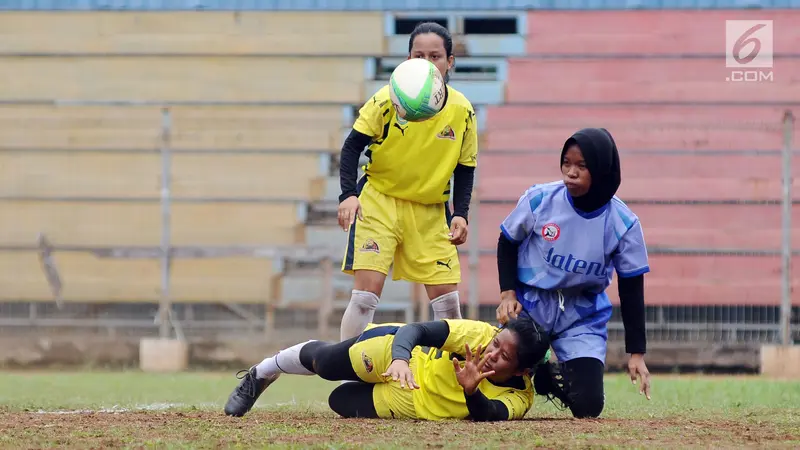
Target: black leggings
pixel 332 362
pixel 584 386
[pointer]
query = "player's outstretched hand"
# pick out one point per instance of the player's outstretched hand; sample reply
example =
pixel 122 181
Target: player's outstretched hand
pixel 509 307
pixel 470 376
pixel 400 371
pixel 637 367
pixel 458 230
pixel 349 209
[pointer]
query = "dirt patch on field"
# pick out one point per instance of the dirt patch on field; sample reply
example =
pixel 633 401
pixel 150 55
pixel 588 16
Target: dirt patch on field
pixel 206 429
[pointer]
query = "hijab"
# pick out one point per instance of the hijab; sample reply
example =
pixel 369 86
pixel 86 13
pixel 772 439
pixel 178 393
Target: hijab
pixel 602 160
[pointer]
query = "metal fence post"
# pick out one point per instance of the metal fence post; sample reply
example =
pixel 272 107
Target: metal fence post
pixel 165 304
pixel 786 291
pixel 474 253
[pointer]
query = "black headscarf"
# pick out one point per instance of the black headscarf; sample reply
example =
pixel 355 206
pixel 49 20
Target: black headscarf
pixel 602 159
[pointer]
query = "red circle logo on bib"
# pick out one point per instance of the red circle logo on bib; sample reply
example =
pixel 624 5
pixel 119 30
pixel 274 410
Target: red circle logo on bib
pixel 551 232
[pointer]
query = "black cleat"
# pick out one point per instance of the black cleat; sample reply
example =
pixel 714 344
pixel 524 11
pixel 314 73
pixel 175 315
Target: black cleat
pixel 245 395
pixel 549 382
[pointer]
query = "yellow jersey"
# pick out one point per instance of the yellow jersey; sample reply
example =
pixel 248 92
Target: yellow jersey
pixel 441 397
pixel 414 161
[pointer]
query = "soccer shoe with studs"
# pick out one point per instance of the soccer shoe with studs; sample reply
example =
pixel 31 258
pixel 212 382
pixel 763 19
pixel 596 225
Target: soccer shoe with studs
pixel 549 382
pixel 243 398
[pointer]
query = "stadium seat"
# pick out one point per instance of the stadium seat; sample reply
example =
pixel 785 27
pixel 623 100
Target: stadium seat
pixel 138 175
pixel 682 136
pixel 638 164
pixel 191 32
pixel 192 127
pixel 139 223
pixel 186 78
pixel 642 80
pixel 659 189
pixel 91 279
pixel 643 116
pixel 682 226
pixel 687 280
pixel 662 177
pixel 660 32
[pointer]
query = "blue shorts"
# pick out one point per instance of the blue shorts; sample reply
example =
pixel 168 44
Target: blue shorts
pixel 580 330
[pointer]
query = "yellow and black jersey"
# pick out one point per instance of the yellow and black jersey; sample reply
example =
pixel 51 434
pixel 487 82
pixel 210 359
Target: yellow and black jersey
pixel 415 160
pixel 439 395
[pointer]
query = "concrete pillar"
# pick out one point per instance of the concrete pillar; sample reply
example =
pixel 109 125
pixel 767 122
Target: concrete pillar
pixel 163 355
pixel 780 361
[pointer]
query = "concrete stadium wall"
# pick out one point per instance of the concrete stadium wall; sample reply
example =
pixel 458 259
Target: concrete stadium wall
pixel 81 352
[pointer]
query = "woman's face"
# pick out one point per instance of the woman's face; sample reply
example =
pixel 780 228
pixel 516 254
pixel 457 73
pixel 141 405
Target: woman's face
pixel 430 46
pixel 576 175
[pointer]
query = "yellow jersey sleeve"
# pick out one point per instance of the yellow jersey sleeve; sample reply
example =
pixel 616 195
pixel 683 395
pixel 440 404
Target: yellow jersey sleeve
pixel 465 331
pixel 517 402
pixel 469 147
pixel 370 116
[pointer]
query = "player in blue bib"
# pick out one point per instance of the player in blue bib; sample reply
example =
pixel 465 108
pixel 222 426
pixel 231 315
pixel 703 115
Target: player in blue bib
pixel 556 255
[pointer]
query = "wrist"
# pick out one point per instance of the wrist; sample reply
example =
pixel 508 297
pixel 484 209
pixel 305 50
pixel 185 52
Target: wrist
pixel 469 392
pixel 346 195
pixel 509 294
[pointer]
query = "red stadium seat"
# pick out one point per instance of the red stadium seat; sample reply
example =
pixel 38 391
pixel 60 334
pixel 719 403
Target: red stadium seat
pixel 644 165
pixel 682 281
pixel 657 189
pixel 648 32
pixel 747 227
pixel 730 117
pixel 641 80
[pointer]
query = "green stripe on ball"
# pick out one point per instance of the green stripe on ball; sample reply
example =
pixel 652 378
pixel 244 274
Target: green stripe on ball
pixel 417 108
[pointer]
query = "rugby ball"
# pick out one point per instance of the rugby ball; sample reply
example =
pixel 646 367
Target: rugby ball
pixel 417 90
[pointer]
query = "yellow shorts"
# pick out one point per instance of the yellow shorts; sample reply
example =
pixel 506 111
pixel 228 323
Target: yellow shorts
pixel 411 235
pixel 370 356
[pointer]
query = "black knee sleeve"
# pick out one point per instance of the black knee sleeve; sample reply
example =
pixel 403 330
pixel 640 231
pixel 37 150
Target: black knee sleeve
pixel 584 377
pixel 307 353
pixel 329 361
pixel 351 400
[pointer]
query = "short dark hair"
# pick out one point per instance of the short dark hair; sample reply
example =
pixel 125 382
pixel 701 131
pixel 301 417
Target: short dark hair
pixel 432 27
pixel 532 342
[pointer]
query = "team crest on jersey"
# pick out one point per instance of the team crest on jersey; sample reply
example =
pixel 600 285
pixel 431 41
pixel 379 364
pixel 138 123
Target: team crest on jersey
pixel 368 365
pixel 551 232
pixel 370 246
pixel 447 133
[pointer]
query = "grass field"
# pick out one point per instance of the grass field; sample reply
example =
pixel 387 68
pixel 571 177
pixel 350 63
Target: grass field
pixel 136 410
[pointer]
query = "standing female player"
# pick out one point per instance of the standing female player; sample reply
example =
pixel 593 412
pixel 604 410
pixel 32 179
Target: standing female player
pixel 556 254
pixel 401 201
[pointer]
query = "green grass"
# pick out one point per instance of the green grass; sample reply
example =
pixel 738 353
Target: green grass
pixel 184 411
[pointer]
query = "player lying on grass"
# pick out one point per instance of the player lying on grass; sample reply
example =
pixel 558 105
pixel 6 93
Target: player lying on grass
pixel 444 369
pixel 556 255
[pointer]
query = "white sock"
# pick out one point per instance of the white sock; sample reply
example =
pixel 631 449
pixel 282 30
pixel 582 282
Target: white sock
pixel 358 315
pixel 286 361
pixel 446 306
